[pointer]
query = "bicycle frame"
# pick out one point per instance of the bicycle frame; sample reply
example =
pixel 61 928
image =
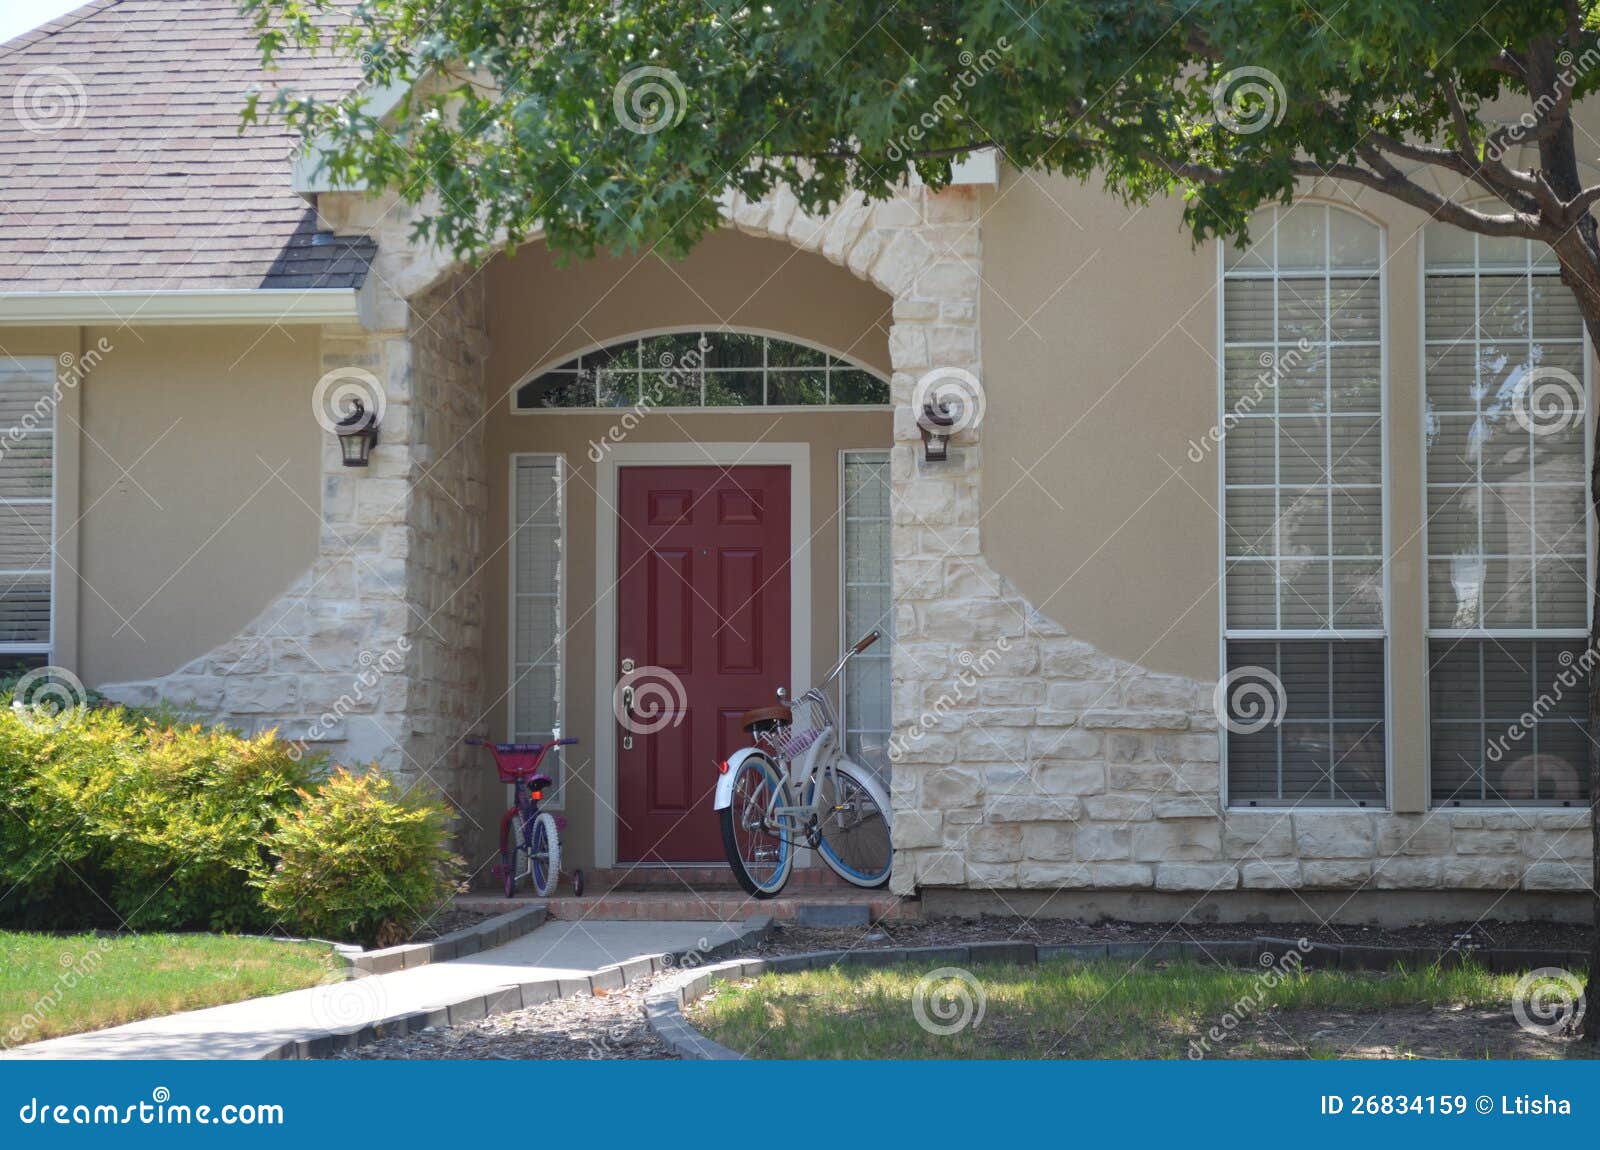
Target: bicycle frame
pixel 809 774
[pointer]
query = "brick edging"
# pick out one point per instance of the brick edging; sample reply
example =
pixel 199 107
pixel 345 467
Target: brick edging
pixel 664 1004
pixel 509 998
pixel 492 932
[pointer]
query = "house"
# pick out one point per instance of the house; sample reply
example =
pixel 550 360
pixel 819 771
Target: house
pixel 1246 578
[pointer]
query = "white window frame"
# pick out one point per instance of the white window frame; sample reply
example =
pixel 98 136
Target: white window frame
pixel 46 367
pixel 737 409
pixel 845 639
pixel 1529 268
pixel 1330 633
pixel 556 766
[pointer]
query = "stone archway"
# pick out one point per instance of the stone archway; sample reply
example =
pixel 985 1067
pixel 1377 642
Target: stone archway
pixel 994 743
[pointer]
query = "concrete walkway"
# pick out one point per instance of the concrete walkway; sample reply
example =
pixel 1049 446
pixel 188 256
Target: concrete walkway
pixel 260 1026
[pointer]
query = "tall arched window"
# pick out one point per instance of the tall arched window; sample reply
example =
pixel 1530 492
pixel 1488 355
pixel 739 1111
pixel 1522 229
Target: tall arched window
pixel 705 369
pixel 1303 509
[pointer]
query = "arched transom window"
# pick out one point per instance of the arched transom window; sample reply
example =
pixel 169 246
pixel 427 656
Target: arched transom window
pixel 705 369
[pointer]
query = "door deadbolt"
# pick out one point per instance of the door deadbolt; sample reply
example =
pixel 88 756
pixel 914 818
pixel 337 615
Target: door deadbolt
pixel 627 666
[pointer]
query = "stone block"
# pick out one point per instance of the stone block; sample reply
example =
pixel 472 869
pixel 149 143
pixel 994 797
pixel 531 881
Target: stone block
pixel 1334 874
pixel 1197 876
pixel 1268 834
pixel 1334 835
pixel 1096 842
pixel 1179 841
pixel 1483 872
pixel 1280 874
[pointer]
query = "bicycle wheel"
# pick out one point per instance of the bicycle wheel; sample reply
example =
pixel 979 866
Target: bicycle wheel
pixel 854 829
pixel 759 857
pixel 544 854
pixel 513 849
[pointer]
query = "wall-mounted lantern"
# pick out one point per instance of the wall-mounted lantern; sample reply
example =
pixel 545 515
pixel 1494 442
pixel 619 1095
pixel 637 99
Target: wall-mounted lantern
pixel 358 433
pixel 937 421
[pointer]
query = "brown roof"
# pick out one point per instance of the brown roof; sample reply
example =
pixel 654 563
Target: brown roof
pixel 123 168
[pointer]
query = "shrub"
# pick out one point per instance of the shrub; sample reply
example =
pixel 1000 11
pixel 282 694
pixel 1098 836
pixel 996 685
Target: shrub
pixel 112 818
pixel 358 860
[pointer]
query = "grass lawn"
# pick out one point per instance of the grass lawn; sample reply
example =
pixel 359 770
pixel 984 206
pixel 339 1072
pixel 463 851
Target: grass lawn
pixel 63 984
pixel 1065 1009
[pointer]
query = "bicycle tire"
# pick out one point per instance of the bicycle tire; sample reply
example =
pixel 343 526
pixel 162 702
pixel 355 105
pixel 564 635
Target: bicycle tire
pixel 735 817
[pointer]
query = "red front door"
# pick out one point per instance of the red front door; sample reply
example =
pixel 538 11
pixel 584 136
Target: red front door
pixel 703 614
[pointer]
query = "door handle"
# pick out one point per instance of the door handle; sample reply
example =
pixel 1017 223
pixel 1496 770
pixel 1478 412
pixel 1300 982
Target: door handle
pixel 627 701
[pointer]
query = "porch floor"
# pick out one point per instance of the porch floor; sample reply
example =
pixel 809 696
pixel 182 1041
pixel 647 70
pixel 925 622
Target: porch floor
pixel 704 905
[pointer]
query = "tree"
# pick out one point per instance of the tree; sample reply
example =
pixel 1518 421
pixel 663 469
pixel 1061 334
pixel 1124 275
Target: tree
pixel 617 126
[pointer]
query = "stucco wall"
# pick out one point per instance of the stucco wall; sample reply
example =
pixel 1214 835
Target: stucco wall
pixel 188 487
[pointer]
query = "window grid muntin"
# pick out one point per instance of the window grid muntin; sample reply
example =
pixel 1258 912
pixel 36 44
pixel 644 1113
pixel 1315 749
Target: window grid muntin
pixel 1533 266
pixel 834 367
pixel 1334 723
pixel 1530 270
pixel 1276 273
pixel 1328 634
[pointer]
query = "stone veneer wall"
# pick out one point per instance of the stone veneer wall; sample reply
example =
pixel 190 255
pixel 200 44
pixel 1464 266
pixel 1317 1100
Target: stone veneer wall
pixel 1028 759
pixel 372 655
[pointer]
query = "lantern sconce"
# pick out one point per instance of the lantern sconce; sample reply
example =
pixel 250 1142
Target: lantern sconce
pixel 937 423
pixel 358 433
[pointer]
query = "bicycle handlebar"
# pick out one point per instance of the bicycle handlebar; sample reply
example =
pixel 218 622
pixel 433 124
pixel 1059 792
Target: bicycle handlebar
pixel 861 645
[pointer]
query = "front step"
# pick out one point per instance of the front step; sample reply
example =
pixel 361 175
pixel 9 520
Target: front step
pixel 685 878
pixel 701 905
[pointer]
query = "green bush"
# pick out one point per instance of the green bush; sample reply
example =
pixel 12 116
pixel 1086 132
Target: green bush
pixel 114 819
pixel 111 817
pixel 359 860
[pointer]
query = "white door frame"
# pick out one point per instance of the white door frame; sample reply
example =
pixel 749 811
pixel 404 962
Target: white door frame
pixel 797 458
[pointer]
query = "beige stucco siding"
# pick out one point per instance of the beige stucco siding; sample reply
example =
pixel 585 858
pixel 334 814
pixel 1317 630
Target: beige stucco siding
pixel 188 488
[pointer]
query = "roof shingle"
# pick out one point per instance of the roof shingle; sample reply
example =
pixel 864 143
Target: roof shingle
pixel 124 169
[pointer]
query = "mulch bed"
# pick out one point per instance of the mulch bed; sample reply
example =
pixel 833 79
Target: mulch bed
pixel 790 939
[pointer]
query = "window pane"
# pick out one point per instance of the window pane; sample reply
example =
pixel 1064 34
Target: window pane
pixel 27 468
pixel 693 369
pixel 1303 453
pixel 868 600
pixel 1324 741
pixel 1508 719
pixel 1507 541
pixel 537 572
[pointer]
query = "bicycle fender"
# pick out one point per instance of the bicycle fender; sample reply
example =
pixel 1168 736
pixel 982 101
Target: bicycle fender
pixel 724 797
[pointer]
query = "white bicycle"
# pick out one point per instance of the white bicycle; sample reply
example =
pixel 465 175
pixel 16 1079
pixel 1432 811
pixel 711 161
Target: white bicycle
pixel 795 788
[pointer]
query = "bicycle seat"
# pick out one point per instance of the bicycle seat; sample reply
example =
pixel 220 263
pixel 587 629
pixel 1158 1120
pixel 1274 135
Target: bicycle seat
pixel 761 718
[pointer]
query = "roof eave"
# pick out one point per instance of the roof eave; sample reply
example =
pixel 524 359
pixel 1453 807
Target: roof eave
pixel 217 306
